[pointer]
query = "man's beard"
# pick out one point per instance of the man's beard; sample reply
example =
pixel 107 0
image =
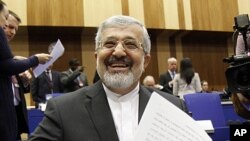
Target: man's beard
pixel 119 79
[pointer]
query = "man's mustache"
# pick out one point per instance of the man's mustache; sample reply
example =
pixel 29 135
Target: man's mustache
pixel 115 60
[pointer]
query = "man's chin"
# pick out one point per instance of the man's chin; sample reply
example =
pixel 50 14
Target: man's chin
pixel 9 38
pixel 119 80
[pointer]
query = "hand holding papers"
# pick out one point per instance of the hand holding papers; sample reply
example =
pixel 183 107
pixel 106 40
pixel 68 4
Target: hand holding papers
pixel 162 121
pixel 56 53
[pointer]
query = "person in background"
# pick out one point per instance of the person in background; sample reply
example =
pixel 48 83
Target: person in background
pixel 47 83
pixel 110 109
pixel 74 78
pixel 240 45
pixel 187 81
pixel 20 82
pixel 166 79
pixel 149 81
pixel 9 67
pixel 204 87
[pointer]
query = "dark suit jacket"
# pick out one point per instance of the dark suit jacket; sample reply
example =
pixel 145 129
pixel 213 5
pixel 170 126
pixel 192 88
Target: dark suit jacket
pixel 40 86
pixel 21 109
pixel 9 67
pixel 70 82
pixel 164 80
pixel 85 115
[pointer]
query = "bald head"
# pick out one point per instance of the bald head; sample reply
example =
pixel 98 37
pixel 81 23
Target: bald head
pixel 172 64
pixel 149 81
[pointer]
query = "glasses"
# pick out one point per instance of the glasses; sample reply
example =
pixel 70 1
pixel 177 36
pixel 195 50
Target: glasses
pixel 128 44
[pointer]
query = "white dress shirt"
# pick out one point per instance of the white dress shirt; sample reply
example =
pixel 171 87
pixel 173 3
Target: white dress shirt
pixel 125 111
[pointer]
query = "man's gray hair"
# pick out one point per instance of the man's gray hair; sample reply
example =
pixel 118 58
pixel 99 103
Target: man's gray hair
pixel 120 20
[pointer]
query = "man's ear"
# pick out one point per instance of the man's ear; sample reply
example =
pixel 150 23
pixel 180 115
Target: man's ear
pixel 95 54
pixel 147 59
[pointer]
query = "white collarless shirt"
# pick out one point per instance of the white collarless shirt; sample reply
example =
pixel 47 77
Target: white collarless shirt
pixel 124 109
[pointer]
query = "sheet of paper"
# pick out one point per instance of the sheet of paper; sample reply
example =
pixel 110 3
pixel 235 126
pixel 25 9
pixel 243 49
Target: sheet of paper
pixel 206 125
pixel 57 51
pixel 162 121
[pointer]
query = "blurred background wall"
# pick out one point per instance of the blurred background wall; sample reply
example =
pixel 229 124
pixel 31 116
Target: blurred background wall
pixel 199 29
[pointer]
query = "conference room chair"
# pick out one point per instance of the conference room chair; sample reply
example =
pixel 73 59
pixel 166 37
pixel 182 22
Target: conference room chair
pixel 207 106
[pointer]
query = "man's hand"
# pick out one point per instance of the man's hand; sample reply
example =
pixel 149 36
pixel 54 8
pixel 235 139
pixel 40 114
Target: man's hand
pixel 80 68
pixel 43 58
pixel 26 78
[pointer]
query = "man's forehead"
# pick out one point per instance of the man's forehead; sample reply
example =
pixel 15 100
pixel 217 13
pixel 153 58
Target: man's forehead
pixel 13 19
pixel 13 22
pixel 172 63
pixel 129 30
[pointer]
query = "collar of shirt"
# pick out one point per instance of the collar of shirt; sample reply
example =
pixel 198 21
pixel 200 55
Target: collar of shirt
pixel 124 109
pixel 119 97
pixel 171 73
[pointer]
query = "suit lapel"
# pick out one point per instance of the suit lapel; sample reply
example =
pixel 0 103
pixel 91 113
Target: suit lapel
pixel 144 96
pixel 100 113
pixel 46 77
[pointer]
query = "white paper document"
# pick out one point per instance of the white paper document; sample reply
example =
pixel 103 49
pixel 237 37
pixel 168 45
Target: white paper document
pixel 163 121
pixel 57 51
pixel 206 125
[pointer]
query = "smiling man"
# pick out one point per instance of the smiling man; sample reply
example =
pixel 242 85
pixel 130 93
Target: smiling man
pixel 12 27
pixel 111 109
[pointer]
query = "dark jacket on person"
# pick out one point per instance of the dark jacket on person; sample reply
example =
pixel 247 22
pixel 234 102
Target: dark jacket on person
pixel 21 109
pixel 9 67
pixel 85 115
pixel 164 80
pixel 42 85
pixel 70 82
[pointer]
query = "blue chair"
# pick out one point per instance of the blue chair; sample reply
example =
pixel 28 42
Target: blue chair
pixel 207 106
pixel 35 116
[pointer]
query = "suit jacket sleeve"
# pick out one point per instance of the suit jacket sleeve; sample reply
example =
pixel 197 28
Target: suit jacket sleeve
pixel 67 78
pixel 8 65
pixel 50 128
pixel 164 81
pixel 11 66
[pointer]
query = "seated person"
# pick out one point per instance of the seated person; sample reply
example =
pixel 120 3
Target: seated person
pixel 149 81
pixel 46 83
pixel 204 87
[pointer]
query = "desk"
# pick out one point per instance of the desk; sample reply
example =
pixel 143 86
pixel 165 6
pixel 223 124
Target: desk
pixel 34 116
pixel 220 134
pixel 229 113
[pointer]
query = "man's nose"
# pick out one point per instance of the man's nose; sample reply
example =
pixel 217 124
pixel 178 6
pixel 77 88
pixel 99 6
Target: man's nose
pixel 13 31
pixel 119 50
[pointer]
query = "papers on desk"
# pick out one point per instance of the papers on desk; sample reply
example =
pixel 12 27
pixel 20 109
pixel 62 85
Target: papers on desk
pixel 206 125
pixel 42 106
pixel 163 121
pixel 57 51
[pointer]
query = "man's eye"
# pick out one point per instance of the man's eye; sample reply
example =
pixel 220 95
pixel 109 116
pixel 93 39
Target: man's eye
pixel 131 45
pixel 109 44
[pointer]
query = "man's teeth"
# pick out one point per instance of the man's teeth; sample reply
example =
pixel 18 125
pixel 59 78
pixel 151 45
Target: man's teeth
pixel 118 65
